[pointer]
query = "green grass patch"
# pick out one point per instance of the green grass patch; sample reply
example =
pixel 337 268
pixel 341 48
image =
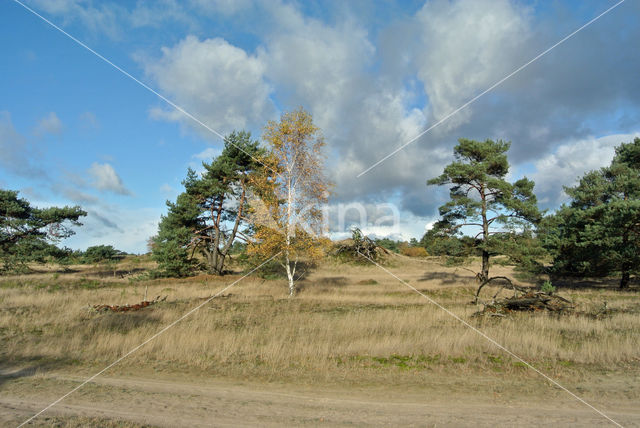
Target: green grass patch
pixel 495 359
pixel 402 362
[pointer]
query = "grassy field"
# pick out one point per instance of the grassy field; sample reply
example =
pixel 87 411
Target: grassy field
pixel 349 325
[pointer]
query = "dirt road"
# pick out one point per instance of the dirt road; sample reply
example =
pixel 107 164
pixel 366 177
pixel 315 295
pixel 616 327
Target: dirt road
pixel 131 401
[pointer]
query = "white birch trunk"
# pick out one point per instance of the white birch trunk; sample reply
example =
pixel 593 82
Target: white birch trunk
pixel 292 286
pixel 290 273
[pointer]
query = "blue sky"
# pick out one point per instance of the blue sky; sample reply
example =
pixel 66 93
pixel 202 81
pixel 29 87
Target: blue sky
pixel 73 130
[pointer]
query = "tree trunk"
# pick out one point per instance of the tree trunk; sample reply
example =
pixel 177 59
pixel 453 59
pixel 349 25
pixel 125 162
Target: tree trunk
pixel 220 264
pixel 289 232
pixel 626 275
pixel 292 285
pixel 485 265
pixel 485 237
pixel 211 261
pixel 626 266
pixel 226 246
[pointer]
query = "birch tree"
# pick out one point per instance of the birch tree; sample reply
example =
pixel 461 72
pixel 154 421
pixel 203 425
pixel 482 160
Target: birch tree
pixel 289 217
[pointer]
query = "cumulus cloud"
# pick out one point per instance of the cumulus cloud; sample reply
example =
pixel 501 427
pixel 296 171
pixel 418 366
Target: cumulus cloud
pixel 385 219
pixel 316 65
pixel 570 161
pixel 373 86
pixel 467 45
pixel 97 17
pixel 105 178
pixel 217 82
pixel 327 68
pixel 463 47
pixel 50 124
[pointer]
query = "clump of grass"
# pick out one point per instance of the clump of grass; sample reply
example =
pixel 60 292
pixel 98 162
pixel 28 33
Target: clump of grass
pixel 495 359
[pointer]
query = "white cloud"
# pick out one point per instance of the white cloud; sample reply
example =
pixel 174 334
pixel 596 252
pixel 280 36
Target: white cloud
pixel 466 46
pixel 208 154
pixel 371 86
pixel 376 221
pixel 327 69
pixel 105 178
pixel 99 19
pixel 570 161
pixel 224 7
pixel 50 124
pixel 125 229
pixel 158 13
pixel 316 65
pixel 217 82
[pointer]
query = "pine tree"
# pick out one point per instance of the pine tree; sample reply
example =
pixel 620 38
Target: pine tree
pixel 222 196
pixel 483 200
pixel 207 217
pixel 598 233
pixel 171 246
pixel 27 233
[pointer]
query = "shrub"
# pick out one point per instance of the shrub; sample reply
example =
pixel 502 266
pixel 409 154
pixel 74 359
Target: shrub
pixel 414 251
pixel 547 287
pixel 101 253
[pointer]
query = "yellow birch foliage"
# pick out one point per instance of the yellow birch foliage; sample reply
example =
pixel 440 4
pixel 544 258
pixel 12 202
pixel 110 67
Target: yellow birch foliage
pixel 287 213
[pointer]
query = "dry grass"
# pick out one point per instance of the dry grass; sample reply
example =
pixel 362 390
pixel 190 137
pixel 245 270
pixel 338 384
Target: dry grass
pixel 348 324
pixel 84 422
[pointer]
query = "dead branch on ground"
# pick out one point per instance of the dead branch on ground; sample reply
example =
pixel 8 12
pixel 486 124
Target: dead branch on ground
pixel 127 308
pixel 531 301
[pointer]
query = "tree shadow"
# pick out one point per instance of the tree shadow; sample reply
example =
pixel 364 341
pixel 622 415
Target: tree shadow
pixel 118 273
pixel 31 366
pixel 327 282
pixel 30 271
pixel 304 269
pixel 577 283
pixel 124 322
pixel 446 278
pixel 8 374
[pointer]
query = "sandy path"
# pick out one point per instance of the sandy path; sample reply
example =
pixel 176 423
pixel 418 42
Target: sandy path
pixel 222 404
